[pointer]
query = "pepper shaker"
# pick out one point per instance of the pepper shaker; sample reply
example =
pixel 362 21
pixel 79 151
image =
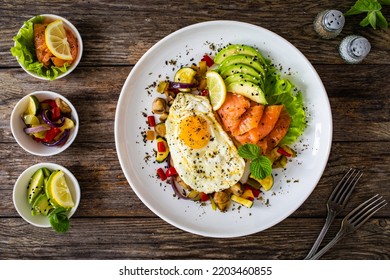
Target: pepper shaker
pixel 353 49
pixel 329 23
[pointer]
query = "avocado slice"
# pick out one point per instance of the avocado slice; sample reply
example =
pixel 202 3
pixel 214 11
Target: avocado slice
pixel 239 77
pixel 252 61
pixel 240 68
pixel 41 205
pixel 248 89
pixel 35 186
pixel 238 49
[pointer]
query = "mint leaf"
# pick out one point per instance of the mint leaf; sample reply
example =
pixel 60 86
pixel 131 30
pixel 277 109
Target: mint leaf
pixel 372 8
pixel 249 151
pixel 381 20
pixel 58 219
pixel 261 167
pixel 369 19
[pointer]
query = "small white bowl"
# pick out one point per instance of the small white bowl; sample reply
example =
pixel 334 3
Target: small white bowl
pixel 20 193
pixel 71 27
pixel 27 142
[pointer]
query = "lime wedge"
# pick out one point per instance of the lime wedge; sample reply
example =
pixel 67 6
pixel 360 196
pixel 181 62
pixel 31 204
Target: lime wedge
pixel 33 105
pixel 31 119
pixel 217 89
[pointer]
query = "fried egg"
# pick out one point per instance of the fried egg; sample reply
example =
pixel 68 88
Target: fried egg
pixel 203 154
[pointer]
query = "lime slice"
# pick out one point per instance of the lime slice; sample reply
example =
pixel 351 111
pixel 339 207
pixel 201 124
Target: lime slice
pixel 217 89
pixel 185 75
pixel 31 119
pixel 58 191
pixel 56 40
pixel 33 106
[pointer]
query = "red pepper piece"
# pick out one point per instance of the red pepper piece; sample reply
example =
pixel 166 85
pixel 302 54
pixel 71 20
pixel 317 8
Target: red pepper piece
pixel 204 92
pixel 284 152
pixel 256 192
pixel 161 147
pixel 55 113
pixel 151 121
pixel 51 134
pixel 171 171
pixel 161 174
pixel 208 59
pixel 204 197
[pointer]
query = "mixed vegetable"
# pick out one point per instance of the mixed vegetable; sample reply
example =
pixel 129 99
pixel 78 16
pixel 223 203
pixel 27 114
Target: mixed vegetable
pixel 49 121
pixel 242 69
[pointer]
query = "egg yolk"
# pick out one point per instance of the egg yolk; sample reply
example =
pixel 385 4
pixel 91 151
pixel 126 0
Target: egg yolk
pixel 194 132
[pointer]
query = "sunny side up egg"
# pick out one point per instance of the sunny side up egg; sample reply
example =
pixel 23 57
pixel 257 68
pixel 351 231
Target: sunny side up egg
pixel 203 154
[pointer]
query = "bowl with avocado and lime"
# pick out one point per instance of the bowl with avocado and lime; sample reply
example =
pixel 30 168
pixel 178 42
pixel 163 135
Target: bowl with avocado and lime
pixel 47 195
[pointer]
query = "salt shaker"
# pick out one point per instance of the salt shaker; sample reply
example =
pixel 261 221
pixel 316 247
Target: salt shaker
pixel 353 49
pixel 329 23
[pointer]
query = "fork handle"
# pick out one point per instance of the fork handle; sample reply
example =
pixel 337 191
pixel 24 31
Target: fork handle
pixel 338 236
pixel 328 222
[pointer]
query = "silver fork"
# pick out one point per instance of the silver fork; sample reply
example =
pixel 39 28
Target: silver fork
pixel 336 203
pixel 355 219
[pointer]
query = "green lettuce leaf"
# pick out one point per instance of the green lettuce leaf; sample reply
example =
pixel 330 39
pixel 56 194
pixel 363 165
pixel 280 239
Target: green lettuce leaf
pixel 24 51
pixel 283 91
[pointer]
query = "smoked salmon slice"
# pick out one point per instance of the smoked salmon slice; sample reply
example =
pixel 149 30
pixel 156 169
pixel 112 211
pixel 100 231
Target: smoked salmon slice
pixel 267 123
pixel 232 109
pixel 277 133
pixel 249 120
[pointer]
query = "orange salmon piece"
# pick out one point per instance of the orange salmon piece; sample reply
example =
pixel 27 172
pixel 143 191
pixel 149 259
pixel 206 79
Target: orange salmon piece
pixel 41 50
pixel 268 121
pixel 232 109
pixel 249 120
pixel 276 135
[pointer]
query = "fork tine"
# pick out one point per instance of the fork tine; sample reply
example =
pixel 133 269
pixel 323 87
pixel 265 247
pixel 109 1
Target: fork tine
pixel 345 194
pixel 366 210
pixel 345 186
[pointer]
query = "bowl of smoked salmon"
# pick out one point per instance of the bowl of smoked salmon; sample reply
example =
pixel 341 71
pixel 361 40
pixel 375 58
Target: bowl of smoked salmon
pixel 48 47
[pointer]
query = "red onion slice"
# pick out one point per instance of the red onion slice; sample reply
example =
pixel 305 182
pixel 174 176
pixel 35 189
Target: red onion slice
pixel 50 122
pixel 36 129
pixel 60 141
pixel 176 85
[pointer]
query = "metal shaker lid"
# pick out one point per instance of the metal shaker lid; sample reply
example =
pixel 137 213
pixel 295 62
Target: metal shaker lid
pixel 334 20
pixel 359 47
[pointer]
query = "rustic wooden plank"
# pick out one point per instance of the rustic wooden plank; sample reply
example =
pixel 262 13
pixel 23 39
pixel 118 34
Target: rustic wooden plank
pixel 97 169
pixel 357 96
pixel 133 28
pixel 135 238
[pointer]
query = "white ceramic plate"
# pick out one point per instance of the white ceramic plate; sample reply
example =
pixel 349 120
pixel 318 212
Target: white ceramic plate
pixel 292 186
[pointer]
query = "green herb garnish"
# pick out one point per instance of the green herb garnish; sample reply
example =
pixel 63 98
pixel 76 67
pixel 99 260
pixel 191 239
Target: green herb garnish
pixel 373 9
pixel 260 165
pixel 59 220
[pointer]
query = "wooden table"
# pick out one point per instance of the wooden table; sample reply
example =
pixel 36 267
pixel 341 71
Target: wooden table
pixel 111 221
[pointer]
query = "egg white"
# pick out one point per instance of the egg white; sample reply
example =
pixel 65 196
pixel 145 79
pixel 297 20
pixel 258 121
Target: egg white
pixel 212 168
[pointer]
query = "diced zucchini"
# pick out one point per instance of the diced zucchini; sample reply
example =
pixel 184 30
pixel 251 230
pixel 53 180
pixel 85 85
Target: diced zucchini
pixel 243 201
pixel 161 156
pixel 266 183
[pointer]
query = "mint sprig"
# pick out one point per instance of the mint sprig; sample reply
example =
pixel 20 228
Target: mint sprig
pixel 59 221
pixel 260 165
pixel 373 9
